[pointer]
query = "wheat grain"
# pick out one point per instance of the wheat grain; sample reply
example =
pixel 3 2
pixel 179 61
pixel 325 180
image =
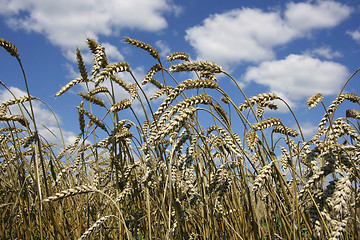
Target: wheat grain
pixel 153 52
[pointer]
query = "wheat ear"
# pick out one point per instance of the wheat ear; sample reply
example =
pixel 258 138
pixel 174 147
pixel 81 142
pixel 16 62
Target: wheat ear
pixel 153 52
pixel 9 47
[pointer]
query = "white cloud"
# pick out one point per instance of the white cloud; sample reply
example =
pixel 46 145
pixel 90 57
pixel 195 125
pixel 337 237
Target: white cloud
pixel 163 48
pixel 299 76
pixel 235 36
pixel 322 14
pixel 249 35
pixel 67 23
pixel 325 52
pixel 355 34
pixel 43 117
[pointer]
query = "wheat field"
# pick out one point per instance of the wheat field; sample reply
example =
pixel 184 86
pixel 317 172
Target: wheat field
pixel 195 164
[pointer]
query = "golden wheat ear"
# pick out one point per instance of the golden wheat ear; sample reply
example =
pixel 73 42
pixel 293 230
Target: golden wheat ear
pixel 9 47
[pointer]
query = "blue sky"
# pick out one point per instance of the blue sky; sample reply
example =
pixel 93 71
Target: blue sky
pixel 292 48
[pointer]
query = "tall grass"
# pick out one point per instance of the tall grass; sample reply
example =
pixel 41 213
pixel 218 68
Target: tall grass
pixel 195 164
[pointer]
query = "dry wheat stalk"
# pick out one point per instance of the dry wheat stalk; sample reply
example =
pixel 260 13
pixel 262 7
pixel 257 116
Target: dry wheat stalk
pixel 9 47
pixel 92 99
pixel 123 104
pixel 196 66
pixel 266 123
pixel 178 56
pixel 314 100
pixel 69 85
pixel 153 52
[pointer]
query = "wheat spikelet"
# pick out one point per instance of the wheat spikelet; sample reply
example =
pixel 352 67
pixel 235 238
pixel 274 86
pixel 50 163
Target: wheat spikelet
pixel 187 84
pixel 9 47
pixel 149 76
pixel 100 60
pixel 266 123
pixel 81 117
pixel 111 69
pixel 93 118
pixel 92 44
pixel 335 104
pixel 196 66
pixel 353 113
pixel 314 100
pixel 260 98
pixel 123 104
pixel 70 192
pixel 251 140
pixel 81 64
pixel 98 90
pixel 92 99
pixel 222 113
pixel 225 100
pixel 17 118
pixel 153 52
pixel 69 85
pixel 208 75
pixel 285 130
pixel 161 92
pixel 178 56
pixel 263 175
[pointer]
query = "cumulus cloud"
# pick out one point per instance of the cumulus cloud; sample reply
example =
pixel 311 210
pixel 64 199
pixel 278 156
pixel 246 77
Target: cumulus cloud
pixel 163 48
pixel 249 35
pixel 323 14
pixel 67 23
pixel 43 117
pixel 354 34
pixel 325 52
pixel 299 76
